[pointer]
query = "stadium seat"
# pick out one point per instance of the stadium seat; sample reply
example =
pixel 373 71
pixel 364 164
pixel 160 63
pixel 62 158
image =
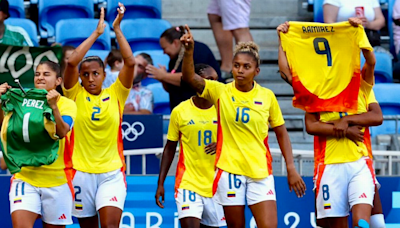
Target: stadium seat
pixel 390 27
pixel 28 25
pixel 16 8
pixel 387 95
pixel 161 99
pixel 159 58
pixel 134 9
pixel 101 53
pixel 318 11
pixel 50 12
pixel 144 34
pixel 383 67
pixel 74 31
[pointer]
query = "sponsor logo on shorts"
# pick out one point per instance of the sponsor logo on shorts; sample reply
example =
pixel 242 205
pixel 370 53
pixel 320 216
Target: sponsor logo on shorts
pixel 114 199
pixel 78 207
pixel 231 194
pixel 185 207
pixel 270 192
pixel 363 196
pixel 327 206
pixel 62 217
pixel 17 200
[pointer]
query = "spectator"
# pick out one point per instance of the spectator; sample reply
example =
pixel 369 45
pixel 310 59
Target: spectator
pixel 11 35
pixel 228 19
pixel 371 15
pixel 171 44
pixel 115 62
pixel 66 53
pixel 396 25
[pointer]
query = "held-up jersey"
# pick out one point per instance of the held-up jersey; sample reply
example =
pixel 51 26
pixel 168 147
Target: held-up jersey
pixel 96 138
pixel 243 118
pixel 325 64
pixel 194 128
pixel 28 133
pixel 58 173
pixel 331 150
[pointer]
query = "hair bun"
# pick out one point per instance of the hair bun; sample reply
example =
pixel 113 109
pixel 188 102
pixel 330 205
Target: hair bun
pixel 249 45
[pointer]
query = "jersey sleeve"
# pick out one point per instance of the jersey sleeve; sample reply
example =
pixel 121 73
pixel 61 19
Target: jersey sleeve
pixel 121 92
pixel 73 92
pixel 275 114
pixel 365 88
pixel 173 128
pixel 371 98
pixel 362 39
pixel 212 90
pixel 68 111
pixel 332 2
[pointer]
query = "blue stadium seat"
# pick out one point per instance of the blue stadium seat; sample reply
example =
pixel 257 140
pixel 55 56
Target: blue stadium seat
pixel 51 11
pixel 383 67
pixel 134 9
pixel 16 8
pixel 387 94
pixel 161 99
pixel 74 31
pixel 318 11
pixel 159 58
pixel 101 53
pixel 144 34
pixel 390 27
pixel 28 25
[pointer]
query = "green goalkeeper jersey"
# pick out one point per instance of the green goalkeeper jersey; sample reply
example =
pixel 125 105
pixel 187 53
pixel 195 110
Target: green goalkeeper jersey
pixel 28 132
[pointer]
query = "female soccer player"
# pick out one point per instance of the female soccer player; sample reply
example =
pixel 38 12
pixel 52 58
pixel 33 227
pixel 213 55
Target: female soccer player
pixel 98 158
pixel 46 191
pixel 340 151
pixel 244 111
pixel 194 124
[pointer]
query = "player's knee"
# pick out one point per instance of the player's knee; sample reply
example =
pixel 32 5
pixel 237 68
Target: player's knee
pixel 361 223
pixel 377 221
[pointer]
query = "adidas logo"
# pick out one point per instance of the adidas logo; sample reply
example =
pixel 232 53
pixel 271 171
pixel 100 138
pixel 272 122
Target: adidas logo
pixel 363 196
pixel 62 217
pixel 114 199
pixel 270 192
pixel 223 219
pixel 191 122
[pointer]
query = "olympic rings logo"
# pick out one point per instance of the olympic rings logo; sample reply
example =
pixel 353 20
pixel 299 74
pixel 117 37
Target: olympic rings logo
pixel 132 132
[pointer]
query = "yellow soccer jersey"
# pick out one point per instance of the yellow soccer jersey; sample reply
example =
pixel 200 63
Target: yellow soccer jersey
pixel 344 150
pixel 243 117
pixel 56 174
pixel 325 64
pixel 194 128
pixel 96 138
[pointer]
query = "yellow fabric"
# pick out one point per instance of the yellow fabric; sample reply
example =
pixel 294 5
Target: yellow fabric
pixel 194 128
pixel 371 98
pixel 97 127
pixel 344 150
pixel 53 175
pixel 4 127
pixel 312 68
pixel 243 126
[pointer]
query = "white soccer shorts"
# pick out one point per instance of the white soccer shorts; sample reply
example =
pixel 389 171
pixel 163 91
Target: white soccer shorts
pixel 235 14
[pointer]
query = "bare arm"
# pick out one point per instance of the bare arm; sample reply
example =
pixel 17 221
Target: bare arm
pixel 71 73
pixel 283 63
pixel 330 13
pixel 379 21
pixel 3 164
pixel 373 117
pixel 369 66
pixel 3 89
pixel 166 161
pixel 62 128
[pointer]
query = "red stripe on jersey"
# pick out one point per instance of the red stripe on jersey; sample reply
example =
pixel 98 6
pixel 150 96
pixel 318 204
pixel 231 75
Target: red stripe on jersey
pixel 180 169
pixel 320 169
pixel 69 172
pixel 216 180
pixel 371 168
pixel 120 142
pixel 367 142
pixel 345 101
pixel 220 137
pixel 269 157
pixel 319 152
pixel 72 142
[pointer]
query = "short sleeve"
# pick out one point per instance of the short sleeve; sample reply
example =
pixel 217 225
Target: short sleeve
pixel 333 2
pixel 371 98
pixel 396 10
pixel 362 39
pixel 73 92
pixel 173 128
pixel 68 108
pixel 275 114
pixel 120 91
pixel 146 100
pixel 213 90
pixel 365 88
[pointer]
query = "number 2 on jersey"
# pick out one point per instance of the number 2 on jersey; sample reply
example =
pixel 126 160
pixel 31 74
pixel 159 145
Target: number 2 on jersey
pixel 96 110
pixel 327 50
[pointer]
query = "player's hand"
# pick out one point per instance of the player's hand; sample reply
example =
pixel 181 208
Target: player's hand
pixel 52 98
pixel 296 183
pixel 282 28
pixel 356 21
pixel 340 127
pixel 121 12
pixel 355 134
pixel 160 193
pixel 211 148
pixel 4 87
pixel 101 25
pixel 156 73
pixel 187 39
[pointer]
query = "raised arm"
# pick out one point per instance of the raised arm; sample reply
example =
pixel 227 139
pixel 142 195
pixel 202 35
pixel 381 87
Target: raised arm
pixel 379 21
pixel 71 73
pixel 330 13
pixel 126 74
pixel 188 74
pixel 62 128
pixel 283 63
pixel 3 89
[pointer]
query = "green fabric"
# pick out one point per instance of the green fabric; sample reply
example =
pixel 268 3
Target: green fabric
pixel 35 147
pixel 14 36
